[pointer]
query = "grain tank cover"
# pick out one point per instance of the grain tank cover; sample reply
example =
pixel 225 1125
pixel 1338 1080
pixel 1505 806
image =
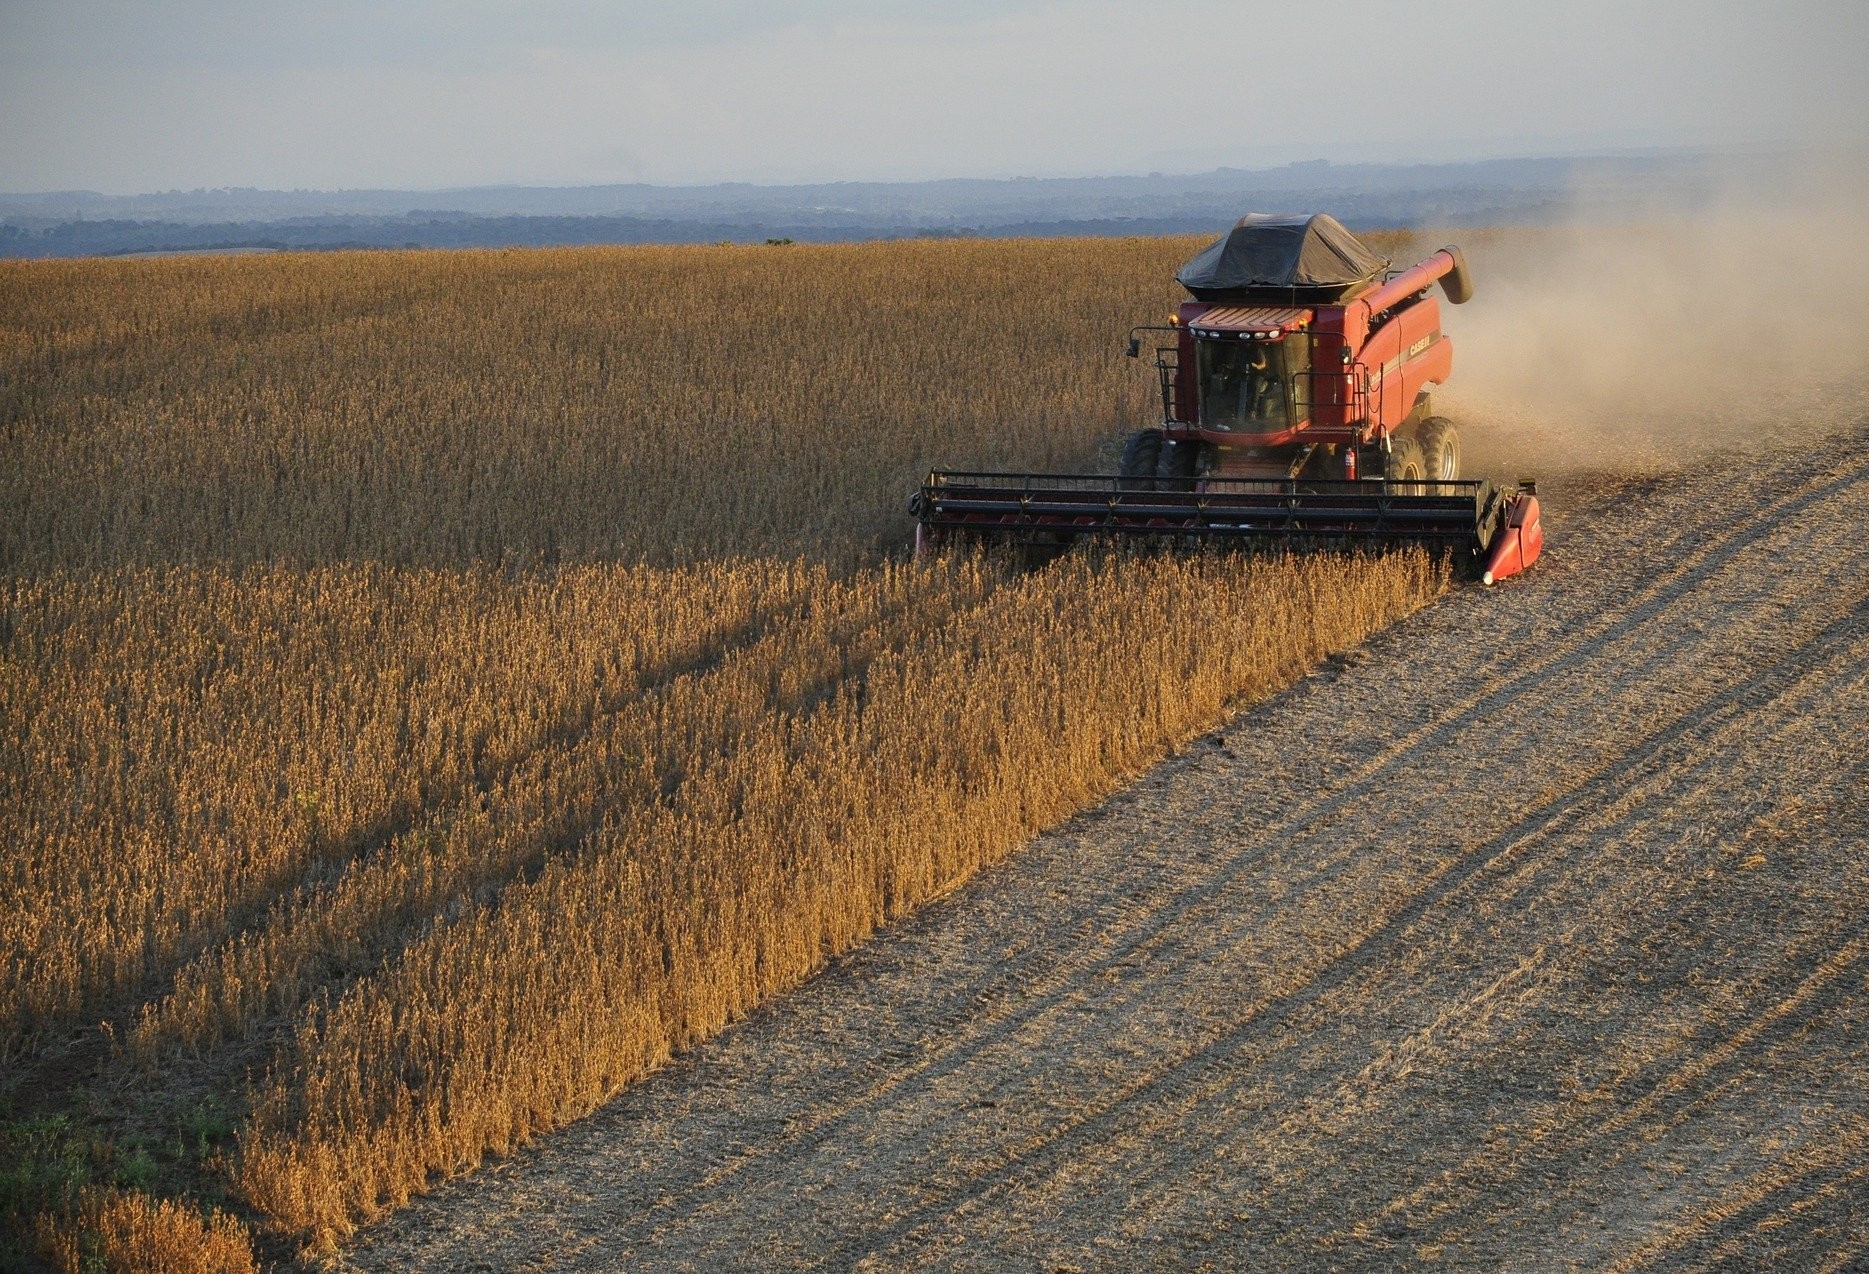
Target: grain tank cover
pixel 1271 257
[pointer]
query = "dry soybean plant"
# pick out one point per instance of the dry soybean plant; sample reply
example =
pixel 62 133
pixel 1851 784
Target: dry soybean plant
pixel 658 404
pixel 440 686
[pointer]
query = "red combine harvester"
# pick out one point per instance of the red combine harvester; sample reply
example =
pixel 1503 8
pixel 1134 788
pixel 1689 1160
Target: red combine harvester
pixel 1295 409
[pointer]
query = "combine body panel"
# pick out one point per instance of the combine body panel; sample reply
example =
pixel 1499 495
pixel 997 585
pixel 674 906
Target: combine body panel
pixel 1296 408
pixel 1398 362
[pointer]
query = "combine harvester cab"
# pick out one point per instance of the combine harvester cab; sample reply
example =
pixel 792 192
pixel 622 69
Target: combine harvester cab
pixel 1296 410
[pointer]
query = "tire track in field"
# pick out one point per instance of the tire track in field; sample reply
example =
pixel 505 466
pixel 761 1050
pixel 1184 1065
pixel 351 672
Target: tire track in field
pixel 1662 1093
pixel 966 1034
pixel 1691 738
pixel 1797 1208
pixel 1664 1076
pixel 1712 1056
pixel 1714 1062
pixel 1800 1197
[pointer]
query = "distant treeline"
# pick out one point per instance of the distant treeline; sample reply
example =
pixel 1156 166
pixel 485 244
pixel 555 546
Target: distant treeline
pixel 76 238
pixel 1528 191
pixel 108 238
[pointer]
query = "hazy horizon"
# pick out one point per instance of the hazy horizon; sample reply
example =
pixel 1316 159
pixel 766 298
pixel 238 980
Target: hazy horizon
pixel 121 98
pixel 1582 155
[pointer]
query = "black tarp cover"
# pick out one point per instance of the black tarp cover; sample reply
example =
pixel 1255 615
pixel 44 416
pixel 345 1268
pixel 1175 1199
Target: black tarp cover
pixel 1299 256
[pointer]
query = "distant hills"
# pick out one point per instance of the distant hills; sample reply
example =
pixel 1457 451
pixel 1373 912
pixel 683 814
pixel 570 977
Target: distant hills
pixel 1506 191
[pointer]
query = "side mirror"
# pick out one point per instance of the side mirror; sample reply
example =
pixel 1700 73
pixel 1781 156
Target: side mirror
pixel 1135 346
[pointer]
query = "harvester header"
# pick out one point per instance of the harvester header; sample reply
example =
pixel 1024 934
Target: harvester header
pixel 1296 408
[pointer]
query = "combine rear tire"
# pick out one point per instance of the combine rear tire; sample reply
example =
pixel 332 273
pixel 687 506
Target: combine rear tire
pixel 1141 454
pixel 1440 449
pixel 1405 465
pixel 1177 466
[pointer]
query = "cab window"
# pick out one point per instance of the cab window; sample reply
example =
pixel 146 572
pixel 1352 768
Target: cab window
pixel 1244 384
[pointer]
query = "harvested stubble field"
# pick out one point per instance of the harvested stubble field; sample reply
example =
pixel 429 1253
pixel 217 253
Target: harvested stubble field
pixel 437 688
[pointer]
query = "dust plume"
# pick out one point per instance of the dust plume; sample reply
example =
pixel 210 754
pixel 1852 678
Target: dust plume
pixel 1660 342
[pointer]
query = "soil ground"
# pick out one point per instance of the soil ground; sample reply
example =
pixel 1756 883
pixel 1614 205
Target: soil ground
pixel 1530 936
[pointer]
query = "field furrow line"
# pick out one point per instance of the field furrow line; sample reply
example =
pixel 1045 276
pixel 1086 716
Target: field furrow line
pixel 1820 1191
pixel 1686 1073
pixel 1675 1071
pixel 1672 1086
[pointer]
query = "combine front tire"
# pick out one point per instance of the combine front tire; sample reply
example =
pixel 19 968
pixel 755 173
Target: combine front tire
pixel 1141 454
pixel 1178 464
pixel 1405 465
pixel 1440 449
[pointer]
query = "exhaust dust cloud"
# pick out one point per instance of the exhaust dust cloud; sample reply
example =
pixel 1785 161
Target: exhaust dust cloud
pixel 1658 344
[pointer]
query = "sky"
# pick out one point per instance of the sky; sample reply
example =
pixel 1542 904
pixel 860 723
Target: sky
pixel 135 96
